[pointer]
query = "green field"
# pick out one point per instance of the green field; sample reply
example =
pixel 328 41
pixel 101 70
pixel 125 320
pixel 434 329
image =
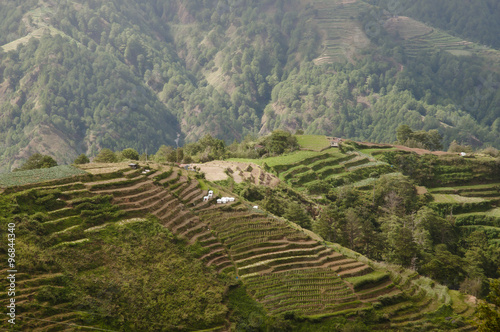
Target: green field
pixel 313 142
pixel 290 158
pixel 38 175
pixel 458 188
pixel 449 198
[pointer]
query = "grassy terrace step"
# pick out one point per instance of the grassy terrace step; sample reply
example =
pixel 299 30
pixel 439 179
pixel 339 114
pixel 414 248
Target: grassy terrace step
pixel 189 222
pixel 354 270
pixel 145 200
pixel 258 243
pixel 226 266
pixel 287 263
pixel 193 186
pixel 340 306
pixel 228 227
pixel 207 240
pixel 127 191
pixel 175 216
pixel 172 178
pixel 374 292
pixel 249 236
pixel 171 215
pixel 265 291
pixel 190 233
pixel 277 254
pixel 61 223
pixel 149 204
pixel 222 259
pixel 168 205
pixel 70 228
pixel 115 184
pixel 342 262
pixel 452 189
pixel 269 247
pixel 135 197
pixel 188 196
pixel 233 228
pixel 213 255
pixel 238 229
pixel 304 297
pixel 61 213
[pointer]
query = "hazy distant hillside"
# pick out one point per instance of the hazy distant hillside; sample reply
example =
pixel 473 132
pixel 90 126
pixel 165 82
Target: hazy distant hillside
pixel 77 77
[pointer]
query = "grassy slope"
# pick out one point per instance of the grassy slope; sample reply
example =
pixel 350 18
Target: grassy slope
pixel 313 142
pixel 96 264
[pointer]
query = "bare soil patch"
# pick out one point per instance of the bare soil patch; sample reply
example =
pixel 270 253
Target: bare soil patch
pixel 239 171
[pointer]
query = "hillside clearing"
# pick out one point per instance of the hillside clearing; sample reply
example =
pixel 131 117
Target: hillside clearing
pixel 313 142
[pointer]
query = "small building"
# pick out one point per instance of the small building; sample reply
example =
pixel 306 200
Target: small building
pixel 463 154
pixel 205 199
pixel 256 207
pixel 210 192
pixel 219 201
pixel 133 166
pixel 334 142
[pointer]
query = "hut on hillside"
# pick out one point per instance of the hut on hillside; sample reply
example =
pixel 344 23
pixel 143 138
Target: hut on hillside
pixel 334 141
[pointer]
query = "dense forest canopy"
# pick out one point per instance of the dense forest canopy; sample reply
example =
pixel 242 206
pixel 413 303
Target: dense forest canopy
pixel 79 77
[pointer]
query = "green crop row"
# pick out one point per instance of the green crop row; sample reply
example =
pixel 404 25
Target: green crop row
pixel 278 254
pixel 368 280
pixel 117 184
pixel 304 178
pixel 309 160
pixel 37 176
pixel 445 209
pixel 331 162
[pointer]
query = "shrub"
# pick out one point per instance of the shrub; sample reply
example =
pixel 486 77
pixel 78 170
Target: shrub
pixel 130 154
pixel 455 147
pixel 81 159
pixel 105 156
pixel 37 161
pixel 491 151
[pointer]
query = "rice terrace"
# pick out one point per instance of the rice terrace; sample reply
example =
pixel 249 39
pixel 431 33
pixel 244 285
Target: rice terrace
pixel 277 265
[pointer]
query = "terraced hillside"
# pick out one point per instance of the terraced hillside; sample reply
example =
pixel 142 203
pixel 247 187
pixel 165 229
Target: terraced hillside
pixel 283 268
pixel 302 168
pixel 287 271
pixel 419 37
pixel 87 205
pixel 343 35
pixel 474 207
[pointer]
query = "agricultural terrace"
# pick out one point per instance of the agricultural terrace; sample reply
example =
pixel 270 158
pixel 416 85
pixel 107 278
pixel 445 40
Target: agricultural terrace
pixel 22 178
pixel 282 267
pixel 313 142
pixel 474 207
pixel 420 37
pixel 289 158
pixel 343 35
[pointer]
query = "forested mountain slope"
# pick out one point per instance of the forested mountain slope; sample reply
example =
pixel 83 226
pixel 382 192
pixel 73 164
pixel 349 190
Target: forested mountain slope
pixel 140 74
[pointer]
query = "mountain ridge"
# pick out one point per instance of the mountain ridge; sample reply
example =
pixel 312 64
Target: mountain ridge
pixel 232 69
